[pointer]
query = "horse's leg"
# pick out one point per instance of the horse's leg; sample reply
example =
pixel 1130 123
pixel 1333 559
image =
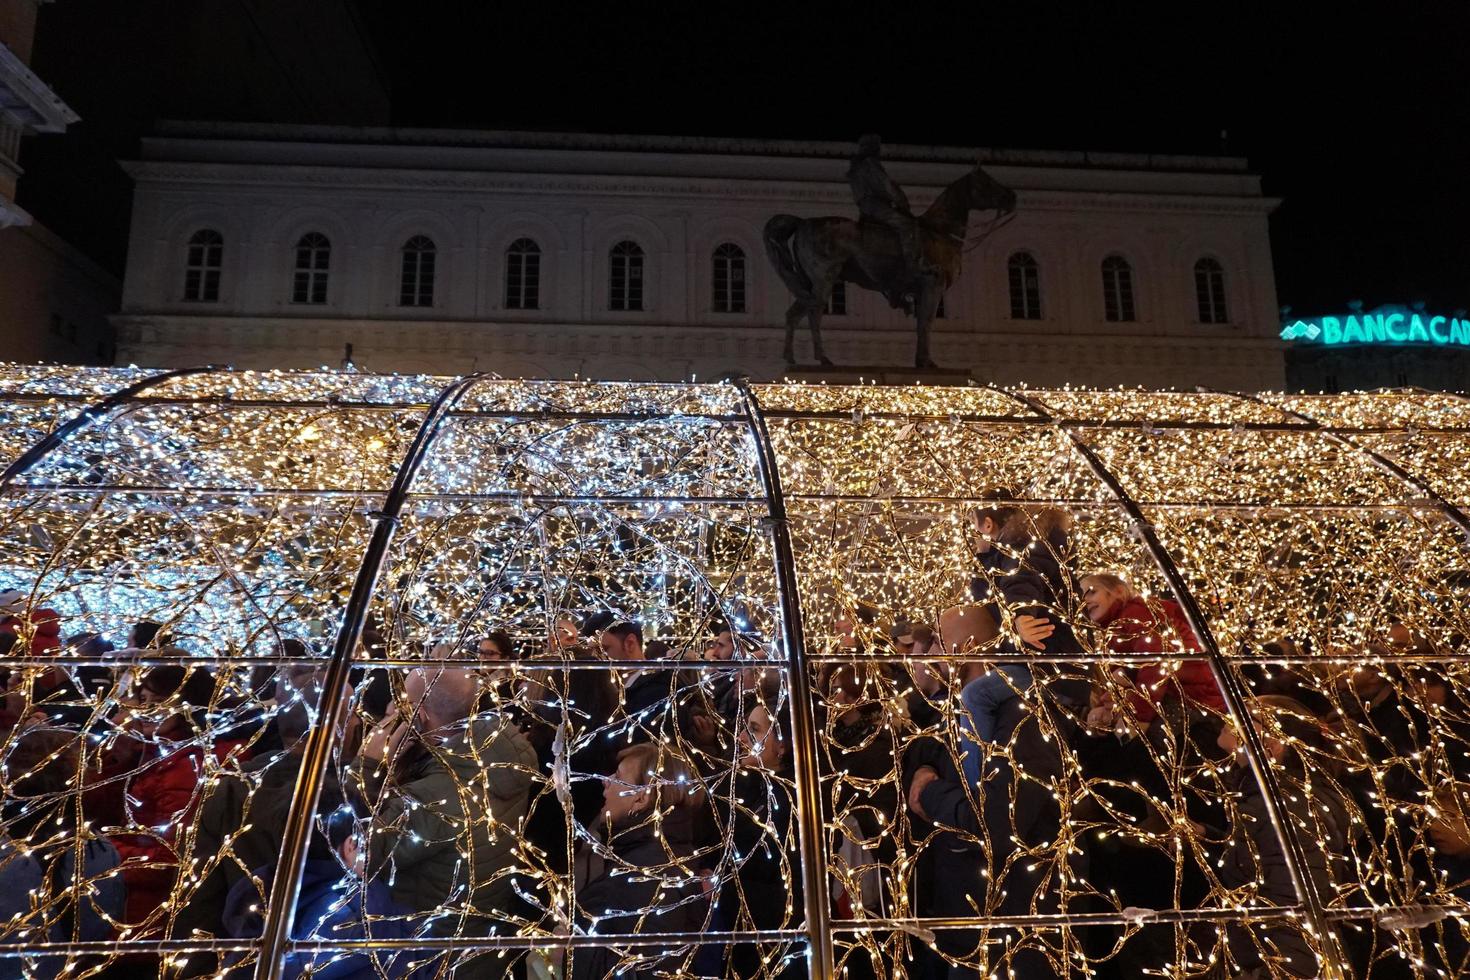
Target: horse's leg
pixel 793 313
pixel 814 320
pixel 925 306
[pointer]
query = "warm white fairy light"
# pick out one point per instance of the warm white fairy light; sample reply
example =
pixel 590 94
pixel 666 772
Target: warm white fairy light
pixel 231 507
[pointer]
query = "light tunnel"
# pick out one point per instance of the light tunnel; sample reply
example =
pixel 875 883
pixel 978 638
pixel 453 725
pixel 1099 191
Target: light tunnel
pixel 351 675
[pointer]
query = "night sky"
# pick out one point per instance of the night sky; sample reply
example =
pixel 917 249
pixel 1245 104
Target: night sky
pixel 1359 119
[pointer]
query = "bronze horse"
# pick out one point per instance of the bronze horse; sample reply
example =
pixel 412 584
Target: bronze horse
pixel 813 254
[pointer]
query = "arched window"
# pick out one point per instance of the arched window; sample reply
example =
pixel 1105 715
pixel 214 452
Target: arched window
pixel 625 277
pixel 202 267
pixel 837 299
pixel 523 275
pixel 1209 291
pixel 729 279
pixel 1025 279
pixel 416 281
pixel 313 260
pixel 1117 277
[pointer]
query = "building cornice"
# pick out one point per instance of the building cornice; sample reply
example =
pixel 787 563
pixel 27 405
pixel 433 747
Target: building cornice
pixel 28 102
pixel 692 145
pixel 242 326
pixel 671 189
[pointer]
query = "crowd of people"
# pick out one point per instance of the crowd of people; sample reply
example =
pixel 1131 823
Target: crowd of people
pixel 965 770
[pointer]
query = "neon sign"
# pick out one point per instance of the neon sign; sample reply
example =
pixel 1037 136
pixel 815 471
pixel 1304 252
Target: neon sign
pixel 1386 326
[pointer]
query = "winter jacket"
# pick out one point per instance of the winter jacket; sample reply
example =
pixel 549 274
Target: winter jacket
pixel 1015 811
pixel 1135 628
pixel 644 873
pixel 1252 858
pixel 331 905
pixel 1030 573
pixel 24 881
pixel 261 796
pixel 45 625
pixel 425 843
pixel 161 796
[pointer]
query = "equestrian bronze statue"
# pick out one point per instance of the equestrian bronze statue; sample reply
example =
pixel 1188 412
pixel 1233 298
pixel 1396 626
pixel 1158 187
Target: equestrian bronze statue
pixel 910 259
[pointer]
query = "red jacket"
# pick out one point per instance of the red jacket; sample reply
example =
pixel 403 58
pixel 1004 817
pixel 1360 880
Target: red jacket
pixel 45 627
pixel 162 795
pixel 1135 628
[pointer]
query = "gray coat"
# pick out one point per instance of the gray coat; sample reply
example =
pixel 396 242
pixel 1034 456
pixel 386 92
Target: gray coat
pixel 447 823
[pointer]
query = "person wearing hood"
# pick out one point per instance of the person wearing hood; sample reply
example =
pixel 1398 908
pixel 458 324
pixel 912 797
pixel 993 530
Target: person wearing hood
pixel 649 884
pixel 334 904
pixel 449 792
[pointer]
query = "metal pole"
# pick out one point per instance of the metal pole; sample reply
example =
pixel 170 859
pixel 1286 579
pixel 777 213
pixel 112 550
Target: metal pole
pixel 1230 688
pixel 286 888
pixel 89 415
pixel 1456 516
pixel 820 965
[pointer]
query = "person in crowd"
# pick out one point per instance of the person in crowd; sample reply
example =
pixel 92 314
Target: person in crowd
pixel 765 889
pixel 158 757
pixel 335 903
pixel 977 834
pixel 648 884
pixel 448 792
pixel 644 692
pixel 42 898
pixel 249 810
pixel 987 522
pixel 39 629
pixel 95 679
pixel 1133 625
pixel 861 750
pixel 1031 577
pixel 1250 855
pixel 148 635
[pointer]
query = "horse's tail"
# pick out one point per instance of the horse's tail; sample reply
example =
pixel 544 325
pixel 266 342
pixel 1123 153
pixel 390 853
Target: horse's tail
pixel 779 232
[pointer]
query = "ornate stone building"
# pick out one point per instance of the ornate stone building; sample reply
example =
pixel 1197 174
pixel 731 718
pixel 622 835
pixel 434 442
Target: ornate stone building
pixel 557 255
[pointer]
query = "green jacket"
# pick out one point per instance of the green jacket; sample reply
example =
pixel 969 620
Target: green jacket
pixel 449 820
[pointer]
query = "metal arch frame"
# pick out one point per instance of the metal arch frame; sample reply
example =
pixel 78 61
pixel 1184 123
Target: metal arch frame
pixel 286 886
pixel 90 414
pixel 1234 694
pixel 1455 515
pixel 820 954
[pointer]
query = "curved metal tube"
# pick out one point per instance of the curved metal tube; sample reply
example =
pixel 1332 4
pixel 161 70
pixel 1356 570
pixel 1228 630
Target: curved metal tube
pixel 1234 694
pixel 286 888
pixel 89 415
pixel 820 965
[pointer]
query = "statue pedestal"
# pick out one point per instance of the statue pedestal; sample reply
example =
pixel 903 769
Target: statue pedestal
pixel 841 374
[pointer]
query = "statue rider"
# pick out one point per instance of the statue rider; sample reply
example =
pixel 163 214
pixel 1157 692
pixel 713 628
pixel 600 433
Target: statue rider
pixel 883 202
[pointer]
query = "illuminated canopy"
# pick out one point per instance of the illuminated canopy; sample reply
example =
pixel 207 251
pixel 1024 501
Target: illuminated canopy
pixel 1317 537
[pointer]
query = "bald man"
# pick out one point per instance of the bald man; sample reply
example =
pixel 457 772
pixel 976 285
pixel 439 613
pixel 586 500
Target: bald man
pixel 447 806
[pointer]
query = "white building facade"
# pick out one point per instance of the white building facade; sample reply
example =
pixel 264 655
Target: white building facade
pixel 552 255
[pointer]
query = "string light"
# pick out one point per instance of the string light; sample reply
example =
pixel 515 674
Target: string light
pixel 233 509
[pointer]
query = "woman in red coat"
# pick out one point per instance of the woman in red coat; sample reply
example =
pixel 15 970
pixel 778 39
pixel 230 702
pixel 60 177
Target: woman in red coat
pixel 161 767
pixel 1135 626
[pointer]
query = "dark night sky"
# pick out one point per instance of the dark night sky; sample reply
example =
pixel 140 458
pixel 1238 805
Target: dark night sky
pixel 1359 119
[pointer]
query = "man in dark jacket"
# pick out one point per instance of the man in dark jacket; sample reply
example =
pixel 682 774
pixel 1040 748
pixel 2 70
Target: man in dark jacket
pixel 333 904
pixel 981 832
